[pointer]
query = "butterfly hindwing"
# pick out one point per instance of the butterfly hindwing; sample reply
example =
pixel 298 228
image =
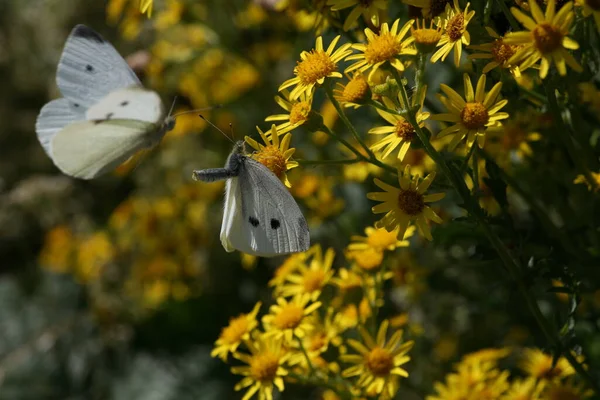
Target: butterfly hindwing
pixel 53 117
pixel 90 68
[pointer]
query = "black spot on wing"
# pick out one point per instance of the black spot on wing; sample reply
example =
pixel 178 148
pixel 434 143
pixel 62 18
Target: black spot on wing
pixel 275 223
pixel 98 121
pixel 76 105
pixel 124 103
pixel 109 116
pixel 253 221
pixel 89 68
pixel 82 31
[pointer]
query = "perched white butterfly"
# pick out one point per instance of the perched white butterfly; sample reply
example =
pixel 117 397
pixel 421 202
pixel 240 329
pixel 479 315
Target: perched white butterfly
pixel 260 217
pixel 106 115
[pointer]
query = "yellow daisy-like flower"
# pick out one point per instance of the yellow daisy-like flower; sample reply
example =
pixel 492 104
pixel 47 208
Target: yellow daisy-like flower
pixel 590 7
pixel 583 179
pixel 289 266
pixel 524 389
pixel 401 133
pixel 472 116
pixel 288 319
pixel 347 280
pixel 454 22
pixel 232 335
pixel 274 155
pixel 378 361
pixel 355 93
pixel 538 364
pixel 383 48
pixel 299 111
pixel 426 39
pixel 315 66
pixel 265 370
pixel 146 7
pixel 407 203
pixel 497 52
pixel 309 279
pixel 568 390
pixel 545 39
pixel 369 9
pixel 380 239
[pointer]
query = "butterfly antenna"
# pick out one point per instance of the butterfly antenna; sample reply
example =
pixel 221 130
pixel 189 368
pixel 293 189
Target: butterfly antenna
pixel 216 127
pixel 198 109
pixel 172 106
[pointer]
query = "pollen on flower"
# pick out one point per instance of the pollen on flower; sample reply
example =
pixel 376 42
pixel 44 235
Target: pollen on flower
pixel 456 27
pixel 474 115
pixel 299 112
pixel 264 366
pixel 411 202
pixel 379 361
pixel 317 65
pixel 313 280
pixel 272 158
pixel 356 90
pixel 547 37
pixel 289 317
pixel 235 330
pixel 383 48
pixel 502 51
pixel 405 130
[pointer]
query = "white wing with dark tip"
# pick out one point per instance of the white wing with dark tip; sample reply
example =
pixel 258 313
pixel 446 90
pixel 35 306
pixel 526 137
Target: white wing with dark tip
pixel 90 68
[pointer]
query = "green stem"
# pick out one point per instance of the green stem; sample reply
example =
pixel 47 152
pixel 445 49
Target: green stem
pixel 514 24
pixel 565 137
pixel 419 74
pixel 377 104
pixel 463 167
pixel 511 264
pixel 475 170
pixel 329 162
pixel 311 368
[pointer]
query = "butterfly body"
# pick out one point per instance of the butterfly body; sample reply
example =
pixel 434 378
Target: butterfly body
pixel 260 216
pixel 105 116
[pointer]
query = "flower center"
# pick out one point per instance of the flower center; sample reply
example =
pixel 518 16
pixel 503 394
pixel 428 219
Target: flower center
pixel 437 7
pixel 547 37
pixel 264 366
pixel 382 48
pixel 411 202
pixel 593 4
pixel 313 280
pixel 272 158
pixel 357 89
pixel 380 362
pixel 405 130
pixel 426 36
pixel 299 112
pixel 474 115
pixel 456 27
pixel 289 317
pixel 237 328
pixel 502 52
pixel 317 65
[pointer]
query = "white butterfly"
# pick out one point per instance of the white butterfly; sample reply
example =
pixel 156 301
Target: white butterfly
pixel 106 115
pixel 261 217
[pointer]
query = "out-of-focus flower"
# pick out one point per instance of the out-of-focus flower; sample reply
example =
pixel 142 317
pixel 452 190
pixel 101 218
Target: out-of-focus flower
pixel 315 66
pixel 567 390
pixel 58 251
pixel 369 9
pixel 512 141
pixel 238 330
pixel 582 179
pixel 379 360
pixel 287 319
pixel 309 279
pixel 472 116
pixel 324 203
pixel 382 48
pixel 454 23
pixel 590 95
pixel 274 155
pixel 497 52
pixel 524 389
pixel 92 255
pixel 146 7
pixel 407 203
pixel 380 239
pixel 538 364
pixel 545 38
pixel 355 93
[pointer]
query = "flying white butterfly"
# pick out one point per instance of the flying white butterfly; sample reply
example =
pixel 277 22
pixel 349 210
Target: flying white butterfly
pixel 105 116
pixel 260 217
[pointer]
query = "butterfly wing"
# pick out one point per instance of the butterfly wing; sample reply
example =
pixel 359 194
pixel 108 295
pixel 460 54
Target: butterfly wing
pixel 272 223
pixel 232 229
pixel 53 117
pixel 90 68
pixel 87 149
pixel 134 103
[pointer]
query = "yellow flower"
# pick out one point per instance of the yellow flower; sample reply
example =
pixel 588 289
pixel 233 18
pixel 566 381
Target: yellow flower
pixel 590 7
pixel 379 360
pixel 486 355
pixel 426 39
pixel 498 52
pixel 380 239
pixel 401 132
pixel 454 22
pixel 266 367
pixel 512 141
pixel 583 179
pixel 347 280
pixel 299 111
pixel 274 155
pixel 472 116
pixel 355 93
pixel 146 7
pixel 288 319
pixel 407 203
pixel 309 279
pixel 567 390
pixel 93 255
pixel 545 39
pixel 524 389
pixel 537 364
pixel 57 253
pixel 383 48
pixel 315 66
pixel 368 259
pixel 370 10
pixel 324 203
pixel 289 266
pixel 238 330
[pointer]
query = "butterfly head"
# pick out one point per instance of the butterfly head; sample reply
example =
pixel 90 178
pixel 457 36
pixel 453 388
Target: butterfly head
pixel 169 124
